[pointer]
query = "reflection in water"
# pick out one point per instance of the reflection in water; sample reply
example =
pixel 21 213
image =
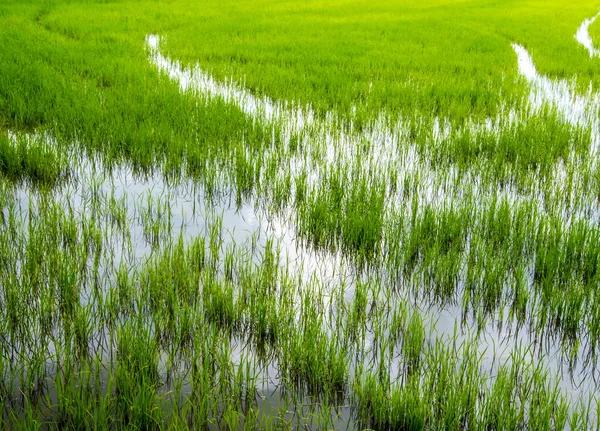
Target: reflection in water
pixel 157 211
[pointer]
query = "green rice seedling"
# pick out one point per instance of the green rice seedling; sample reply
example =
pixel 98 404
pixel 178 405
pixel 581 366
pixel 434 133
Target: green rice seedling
pixel 124 289
pixel 219 302
pixel 118 211
pixel 356 321
pixel 520 296
pixel 311 359
pixel 229 262
pixel 534 145
pixel 32 159
pixel 582 414
pixel 82 328
pixel 412 343
pixel 215 239
pixel 75 398
pixel 345 214
pixel 137 376
pixel 372 401
pixel 156 221
pixel 409 404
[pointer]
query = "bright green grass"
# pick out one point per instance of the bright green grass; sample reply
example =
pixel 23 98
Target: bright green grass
pixel 65 69
pixel 448 59
pixel 152 344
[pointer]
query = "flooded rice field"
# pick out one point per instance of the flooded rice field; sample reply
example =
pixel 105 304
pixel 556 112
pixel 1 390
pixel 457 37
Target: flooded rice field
pixel 404 273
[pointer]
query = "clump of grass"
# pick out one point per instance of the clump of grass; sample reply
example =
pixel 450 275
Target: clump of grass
pixel 344 213
pixel 32 159
pixel 520 396
pixel 532 145
pixel 137 376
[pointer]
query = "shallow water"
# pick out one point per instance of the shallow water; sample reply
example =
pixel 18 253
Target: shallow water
pixel 188 212
pixel 583 36
pixel 184 209
pixel 181 209
pixel 577 110
pixel 385 146
pixel 438 189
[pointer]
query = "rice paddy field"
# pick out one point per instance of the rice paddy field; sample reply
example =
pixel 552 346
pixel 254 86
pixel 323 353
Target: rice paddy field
pixel 299 214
